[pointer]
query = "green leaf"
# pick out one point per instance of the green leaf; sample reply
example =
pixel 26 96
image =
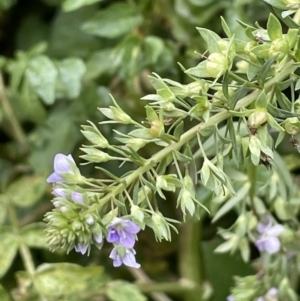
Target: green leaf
pixel 232 135
pixel 240 195
pixel 4 296
pixel 9 247
pixel 274 28
pixel 226 28
pixel 34 235
pixel 64 279
pixel 200 70
pixel 70 72
pixel 211 38
pixel 27 190
pixel 154 47
pixel 261 101
pixel 67 39
pixel 41 73
pixel 114 21
pixel 69 5
pixel 264 71
pixel 4 203
pixel 273 123
pixel 124 291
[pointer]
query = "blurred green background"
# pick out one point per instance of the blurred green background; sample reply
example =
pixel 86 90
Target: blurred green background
pixel 59 61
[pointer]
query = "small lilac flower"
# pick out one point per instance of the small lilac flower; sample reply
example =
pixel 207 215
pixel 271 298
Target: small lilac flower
pixel 272 292
pixel 230 298
pixel 77 197
pixel 98 238
pixel 122 232
pixel 268 240
pixel 270 295
pixel 80 248
pixel 62 165
pixel 128 258
pixel 57 191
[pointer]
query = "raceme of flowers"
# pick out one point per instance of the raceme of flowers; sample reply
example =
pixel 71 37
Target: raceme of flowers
pixel 120 232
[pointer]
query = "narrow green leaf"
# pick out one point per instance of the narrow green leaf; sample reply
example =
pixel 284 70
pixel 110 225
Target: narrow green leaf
pixel 232 135
pixel 240 196
pixel 226 28
pixel 264 71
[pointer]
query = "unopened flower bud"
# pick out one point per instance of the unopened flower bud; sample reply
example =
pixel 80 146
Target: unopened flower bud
pixel 76 226
pixel 89 220
pixel 292 125
pixel 157 128
pixel 216 64
pixel 121 116
pixel 257 118
pixel 137 213
pixel 279 47
pixel 95 155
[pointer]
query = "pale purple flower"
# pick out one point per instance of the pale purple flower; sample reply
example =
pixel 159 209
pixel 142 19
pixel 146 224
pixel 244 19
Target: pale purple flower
pixel 272 292
pixel 62 165
pixel 270 295
pixel 57 191
pixel 98 238
pixel 128 258
pixel 77 197
pixel 230 298
pixel 122 232
pixel 268 240
pixel 81 248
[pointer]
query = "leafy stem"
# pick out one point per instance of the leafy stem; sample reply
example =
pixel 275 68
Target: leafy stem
pixel 289 68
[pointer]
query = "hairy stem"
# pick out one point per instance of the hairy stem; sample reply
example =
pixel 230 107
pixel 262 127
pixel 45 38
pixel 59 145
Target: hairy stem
pixel 289 68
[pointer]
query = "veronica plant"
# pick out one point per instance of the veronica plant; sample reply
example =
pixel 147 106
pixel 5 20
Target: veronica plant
pixel 220 131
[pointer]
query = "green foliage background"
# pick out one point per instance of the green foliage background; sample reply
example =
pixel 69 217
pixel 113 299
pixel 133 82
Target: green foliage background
pixel 59 60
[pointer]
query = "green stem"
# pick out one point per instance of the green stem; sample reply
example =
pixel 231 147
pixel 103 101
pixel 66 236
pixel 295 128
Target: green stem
pixel 289 68
pixel 190 259
pixel 252 190
pixel 23 248
pixel 16 128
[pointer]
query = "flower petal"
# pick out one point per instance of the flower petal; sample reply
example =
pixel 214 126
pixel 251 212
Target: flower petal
pixel 113 235
pixel 130 260
pixel 98 238
pixel 127 240
pixel 117 261
pixel 77 197
pixel 260 244
pixel 272 244
pixel 54 178
pixel 59 192
pixel 81 248
pixel 275 230
pixel 132 228
pixel 62 163
pixel 260 299
pixel 272 292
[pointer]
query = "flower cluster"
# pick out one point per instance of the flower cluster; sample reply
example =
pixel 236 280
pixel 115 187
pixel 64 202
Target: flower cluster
pixel 73 226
